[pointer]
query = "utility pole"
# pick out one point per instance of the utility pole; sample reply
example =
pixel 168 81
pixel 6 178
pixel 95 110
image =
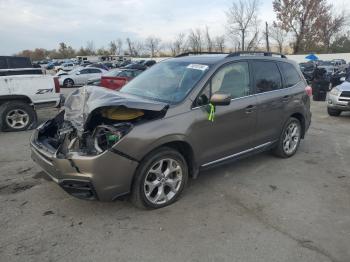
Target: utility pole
pixel 267 38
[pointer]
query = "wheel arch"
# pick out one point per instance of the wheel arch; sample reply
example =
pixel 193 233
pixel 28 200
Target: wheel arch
pixel 8 98
pixel 301 119
pixel 183 147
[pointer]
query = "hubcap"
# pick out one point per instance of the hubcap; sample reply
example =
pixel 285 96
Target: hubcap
pixel 69 83
pixel 17 118
pixel 291 138
pixel 163 181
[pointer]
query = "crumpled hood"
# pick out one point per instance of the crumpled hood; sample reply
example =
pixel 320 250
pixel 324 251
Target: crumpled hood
pixel 80 103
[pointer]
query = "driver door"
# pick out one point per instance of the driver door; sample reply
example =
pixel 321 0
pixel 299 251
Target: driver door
pixel 232 130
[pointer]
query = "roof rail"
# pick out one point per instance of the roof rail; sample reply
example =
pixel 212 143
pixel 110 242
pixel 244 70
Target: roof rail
pixel 262 53
pixel 201 53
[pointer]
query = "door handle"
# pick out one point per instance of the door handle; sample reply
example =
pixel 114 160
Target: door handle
pixel 249 109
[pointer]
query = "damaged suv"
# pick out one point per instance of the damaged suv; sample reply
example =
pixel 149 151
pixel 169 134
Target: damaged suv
pixel 177 118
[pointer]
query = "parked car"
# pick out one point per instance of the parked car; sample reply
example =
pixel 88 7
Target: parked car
pixel 65 67
pixel 99 65
pixel 180 116
pixel 117 78
pixel 123 63
pixel 22 91
pixel 135 66
pixel 85 63
pixel 149 63
pixel 80 77
pixel 109 65
pixel 339 98
pixel 95 81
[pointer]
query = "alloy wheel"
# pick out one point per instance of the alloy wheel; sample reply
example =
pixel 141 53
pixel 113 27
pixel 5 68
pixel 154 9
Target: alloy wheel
pixel 17 118
pixel 291 138
pixel 163 181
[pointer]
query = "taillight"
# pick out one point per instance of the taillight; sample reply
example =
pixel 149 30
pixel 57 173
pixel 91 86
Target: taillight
pixel 308 90
pixel 57 84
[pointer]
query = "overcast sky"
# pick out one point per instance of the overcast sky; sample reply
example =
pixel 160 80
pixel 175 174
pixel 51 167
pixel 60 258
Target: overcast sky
pixel 27 24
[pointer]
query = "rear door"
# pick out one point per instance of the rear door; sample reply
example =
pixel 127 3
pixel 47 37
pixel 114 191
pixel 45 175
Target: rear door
pixel 271 101
pixel 234 125
pixel 82 77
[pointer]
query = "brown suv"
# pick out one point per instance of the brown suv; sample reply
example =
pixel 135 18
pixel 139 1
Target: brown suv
pixel 180 116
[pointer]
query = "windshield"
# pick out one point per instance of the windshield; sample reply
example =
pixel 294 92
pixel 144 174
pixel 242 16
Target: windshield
pixel 167 81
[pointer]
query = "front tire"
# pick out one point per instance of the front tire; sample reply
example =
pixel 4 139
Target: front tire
pixel 333 112
pixel 289 141
pixel 160 179
pixel 17 116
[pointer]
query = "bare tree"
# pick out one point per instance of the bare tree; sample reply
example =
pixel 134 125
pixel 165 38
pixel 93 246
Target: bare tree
pixel 112 48
pixel 152 44
pixel 241 17
pixel 219 43
pixel 130 45
pixel 90 47
pixel 119 45
pixel 195 40
pixel 330 25
pixel 138 48
pixel 279 35
pixel 302 18
pixel 178 46
pixel 208 40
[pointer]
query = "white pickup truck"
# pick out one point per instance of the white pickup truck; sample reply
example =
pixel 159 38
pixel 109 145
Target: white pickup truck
pixel 22 91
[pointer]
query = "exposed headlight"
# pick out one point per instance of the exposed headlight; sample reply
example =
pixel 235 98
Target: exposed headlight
pixel 106 136
pixel 335 91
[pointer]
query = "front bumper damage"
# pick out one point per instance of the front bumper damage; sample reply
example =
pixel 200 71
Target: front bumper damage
pixel 78 149
pixel 104 177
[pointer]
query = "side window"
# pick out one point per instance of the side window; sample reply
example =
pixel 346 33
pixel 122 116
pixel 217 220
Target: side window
pixel 94 71
pixel 267 76
pixel 232 79
pixel 290 74
pixel 84 71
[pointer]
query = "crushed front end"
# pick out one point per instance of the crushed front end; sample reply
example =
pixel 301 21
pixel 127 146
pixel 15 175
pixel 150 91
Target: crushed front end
pixel 78 148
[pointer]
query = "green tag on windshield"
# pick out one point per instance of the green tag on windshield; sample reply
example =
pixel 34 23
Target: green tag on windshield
pixel 211 113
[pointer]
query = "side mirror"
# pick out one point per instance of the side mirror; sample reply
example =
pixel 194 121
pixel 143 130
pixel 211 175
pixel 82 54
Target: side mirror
pixel 220 99
pixel 342 79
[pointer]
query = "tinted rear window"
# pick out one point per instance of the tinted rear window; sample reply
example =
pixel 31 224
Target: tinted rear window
pixel 3 63
pixel 290 74
pixel 267 76
pixel 19 62
pixel 21 72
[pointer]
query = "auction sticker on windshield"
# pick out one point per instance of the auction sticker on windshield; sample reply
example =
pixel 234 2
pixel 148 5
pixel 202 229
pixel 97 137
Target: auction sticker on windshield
pixel 198 67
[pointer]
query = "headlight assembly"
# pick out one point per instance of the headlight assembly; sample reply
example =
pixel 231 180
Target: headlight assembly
pixel 335 91
pixel 106 136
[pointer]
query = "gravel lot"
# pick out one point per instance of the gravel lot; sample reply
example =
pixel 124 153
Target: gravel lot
pixel 259 209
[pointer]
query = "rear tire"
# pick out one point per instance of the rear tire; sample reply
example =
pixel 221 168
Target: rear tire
pixel 68 83
pixel 289 141
pixel 159 179
pixel 17 116
pixel 333 112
